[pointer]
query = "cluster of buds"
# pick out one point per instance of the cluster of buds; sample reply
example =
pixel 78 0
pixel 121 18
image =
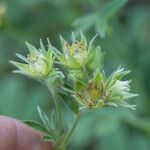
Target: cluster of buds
pixel 94 89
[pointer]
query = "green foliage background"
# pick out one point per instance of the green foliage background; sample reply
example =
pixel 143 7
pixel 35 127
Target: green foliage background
pixel 124 34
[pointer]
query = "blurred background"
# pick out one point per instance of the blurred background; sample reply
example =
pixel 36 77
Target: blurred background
pixel 124 34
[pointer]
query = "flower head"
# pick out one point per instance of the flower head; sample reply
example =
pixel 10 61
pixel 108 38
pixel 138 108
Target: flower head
pixel 79 53
pixel 100 92
pixel 38 63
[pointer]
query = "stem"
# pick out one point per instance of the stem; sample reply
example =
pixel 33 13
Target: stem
pixel 63 145
pixel 58 111
pixel 57 107
pixel 72 129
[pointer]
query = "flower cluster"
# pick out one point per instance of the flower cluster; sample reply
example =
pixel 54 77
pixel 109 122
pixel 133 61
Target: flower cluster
pixel 91 88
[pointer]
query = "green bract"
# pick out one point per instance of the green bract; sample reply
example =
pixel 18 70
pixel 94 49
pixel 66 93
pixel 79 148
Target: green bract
pixel 79 54
pixel 38 64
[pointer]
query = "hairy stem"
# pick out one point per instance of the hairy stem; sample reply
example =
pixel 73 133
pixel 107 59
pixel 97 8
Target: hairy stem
pixel 57 107
pixel 58 111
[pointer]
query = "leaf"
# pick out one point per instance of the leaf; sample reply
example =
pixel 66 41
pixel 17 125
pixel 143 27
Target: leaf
pixel 53 125
pixel 105 15
pixel 100 19
pixel 83 22
pixel 44 118
pixel 37 126
pixel 48 138
pixel 111 8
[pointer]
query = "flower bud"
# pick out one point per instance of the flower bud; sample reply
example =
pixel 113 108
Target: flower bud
pixel 38 63
pixel 79 54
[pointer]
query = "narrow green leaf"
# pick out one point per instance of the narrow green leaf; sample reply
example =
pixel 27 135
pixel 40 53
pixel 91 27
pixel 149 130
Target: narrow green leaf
pixel 52 120
pixel 48 138
pixel 111 8
pixel 44 119
pixel 37 126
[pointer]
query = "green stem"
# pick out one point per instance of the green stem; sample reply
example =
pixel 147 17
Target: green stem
pixel 72 129
pixel 58 111
pixel 63 145
pixel 57 107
